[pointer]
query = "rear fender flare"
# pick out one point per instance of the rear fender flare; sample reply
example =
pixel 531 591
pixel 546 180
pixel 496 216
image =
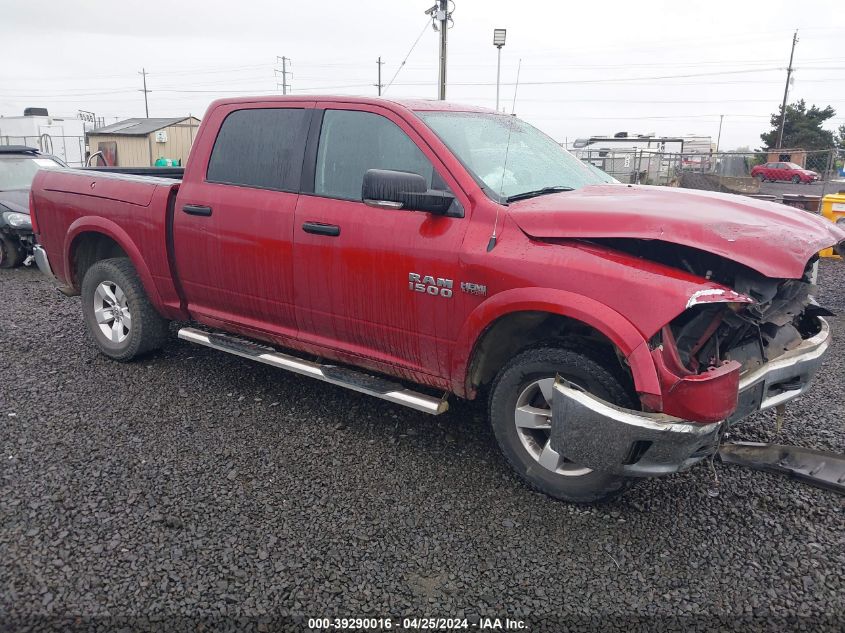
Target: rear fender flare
pixel 97 224
pixel 610 323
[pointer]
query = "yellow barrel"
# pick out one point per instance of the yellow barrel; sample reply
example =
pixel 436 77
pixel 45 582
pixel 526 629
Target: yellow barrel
pixel 833 208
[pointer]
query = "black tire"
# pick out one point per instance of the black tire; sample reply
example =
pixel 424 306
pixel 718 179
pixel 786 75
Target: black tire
pixel 583 370
pixel 148 330
pixel 796 180
pixel 11 253
pixel 761 178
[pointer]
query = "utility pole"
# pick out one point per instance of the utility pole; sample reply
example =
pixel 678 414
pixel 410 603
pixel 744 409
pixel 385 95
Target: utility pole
pixel 379 85
pixel 285 85
pixel 786 91
pixel 719 137
pixel 143 73
pixel 442 15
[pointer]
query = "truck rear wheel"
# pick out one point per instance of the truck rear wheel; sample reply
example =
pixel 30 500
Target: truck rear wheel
pixel 521 415
pixel 118 314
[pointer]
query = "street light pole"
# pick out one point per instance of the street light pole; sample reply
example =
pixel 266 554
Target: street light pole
pixel 498 42
pixel 498 76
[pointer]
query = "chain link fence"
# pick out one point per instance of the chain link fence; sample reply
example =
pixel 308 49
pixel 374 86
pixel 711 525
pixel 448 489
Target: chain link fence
pixel 741 172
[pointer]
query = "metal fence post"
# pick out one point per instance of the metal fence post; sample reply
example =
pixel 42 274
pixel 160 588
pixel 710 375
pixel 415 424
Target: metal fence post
pixel 639 168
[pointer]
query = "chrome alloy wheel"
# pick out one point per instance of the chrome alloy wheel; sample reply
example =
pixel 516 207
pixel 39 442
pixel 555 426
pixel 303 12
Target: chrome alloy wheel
pixel 533 419
pixel 112 312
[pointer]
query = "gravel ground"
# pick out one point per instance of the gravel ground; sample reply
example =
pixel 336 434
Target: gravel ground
pixel 197 491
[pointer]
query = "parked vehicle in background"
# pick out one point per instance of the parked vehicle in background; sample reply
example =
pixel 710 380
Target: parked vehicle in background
pixel 787 172
pixel 18 166
pixel 615 330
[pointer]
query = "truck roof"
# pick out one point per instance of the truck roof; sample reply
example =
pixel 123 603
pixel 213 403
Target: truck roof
pixel 417 105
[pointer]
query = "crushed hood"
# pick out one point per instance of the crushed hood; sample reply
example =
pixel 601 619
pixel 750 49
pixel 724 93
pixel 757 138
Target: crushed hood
pixel 773 239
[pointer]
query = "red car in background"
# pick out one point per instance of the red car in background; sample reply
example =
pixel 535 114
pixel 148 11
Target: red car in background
pixel 785 172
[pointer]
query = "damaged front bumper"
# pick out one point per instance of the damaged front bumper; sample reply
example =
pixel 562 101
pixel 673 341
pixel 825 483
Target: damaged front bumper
pixel 611 439
pixel 604 437
pixel 784 378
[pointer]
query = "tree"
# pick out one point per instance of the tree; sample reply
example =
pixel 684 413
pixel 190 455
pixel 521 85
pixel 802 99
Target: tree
pixel 840 137
pixel 803 128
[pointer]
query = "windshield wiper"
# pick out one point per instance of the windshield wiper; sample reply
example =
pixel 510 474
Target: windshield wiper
pixel 538 192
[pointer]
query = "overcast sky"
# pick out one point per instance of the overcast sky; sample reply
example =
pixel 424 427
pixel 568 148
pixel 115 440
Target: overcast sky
pixel 587 67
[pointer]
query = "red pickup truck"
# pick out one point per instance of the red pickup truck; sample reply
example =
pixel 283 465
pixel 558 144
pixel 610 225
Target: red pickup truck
pixel 413 250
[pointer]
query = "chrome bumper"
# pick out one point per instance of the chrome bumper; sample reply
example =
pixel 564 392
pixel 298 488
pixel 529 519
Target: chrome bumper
pixel 784 378
pixel 604 437
pixel 41 261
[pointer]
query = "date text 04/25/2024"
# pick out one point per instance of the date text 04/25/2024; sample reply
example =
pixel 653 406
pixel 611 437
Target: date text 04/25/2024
pixel 416 624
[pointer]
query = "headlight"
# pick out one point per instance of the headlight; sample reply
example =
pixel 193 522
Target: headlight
pixel 18 220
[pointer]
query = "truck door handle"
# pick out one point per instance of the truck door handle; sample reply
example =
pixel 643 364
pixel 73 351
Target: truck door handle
pixel 316 228
pixel 194 209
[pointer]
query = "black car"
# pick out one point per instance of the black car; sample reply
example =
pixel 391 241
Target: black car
pixel 18 165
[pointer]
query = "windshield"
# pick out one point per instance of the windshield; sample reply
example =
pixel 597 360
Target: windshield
pixel 17 172
pixel 507 156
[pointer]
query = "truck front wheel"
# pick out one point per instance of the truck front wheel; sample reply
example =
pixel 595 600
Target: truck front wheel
pixel 118 314
pixel 521 415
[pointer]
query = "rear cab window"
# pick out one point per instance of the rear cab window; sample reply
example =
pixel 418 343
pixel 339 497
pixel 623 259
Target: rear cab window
pixel 261 148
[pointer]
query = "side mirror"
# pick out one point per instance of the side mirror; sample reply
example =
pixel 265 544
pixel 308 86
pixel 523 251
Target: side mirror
pixel 388 189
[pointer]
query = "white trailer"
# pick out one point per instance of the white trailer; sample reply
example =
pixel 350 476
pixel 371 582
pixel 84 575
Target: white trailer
pixel 63 137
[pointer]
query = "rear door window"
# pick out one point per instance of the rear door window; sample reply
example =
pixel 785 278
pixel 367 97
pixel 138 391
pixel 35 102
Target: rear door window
pixel 261 148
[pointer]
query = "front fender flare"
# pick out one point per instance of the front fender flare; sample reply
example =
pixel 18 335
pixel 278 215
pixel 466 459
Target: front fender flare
pixel 97 224
pixel 610 323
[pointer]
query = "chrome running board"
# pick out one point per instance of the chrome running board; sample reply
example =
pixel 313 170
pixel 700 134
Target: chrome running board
pixel 341 376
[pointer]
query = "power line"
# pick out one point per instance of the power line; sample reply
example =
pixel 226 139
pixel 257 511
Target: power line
pixel 648 101
pixel 72 94
pixel 569 66
pixel 612 80
pixel 411 50
pixel 89 91
pixel 713 117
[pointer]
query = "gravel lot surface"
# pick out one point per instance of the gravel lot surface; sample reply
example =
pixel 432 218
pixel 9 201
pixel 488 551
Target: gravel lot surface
pixel 193 488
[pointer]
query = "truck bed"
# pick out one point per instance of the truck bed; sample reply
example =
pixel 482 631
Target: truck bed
pixel 74 205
